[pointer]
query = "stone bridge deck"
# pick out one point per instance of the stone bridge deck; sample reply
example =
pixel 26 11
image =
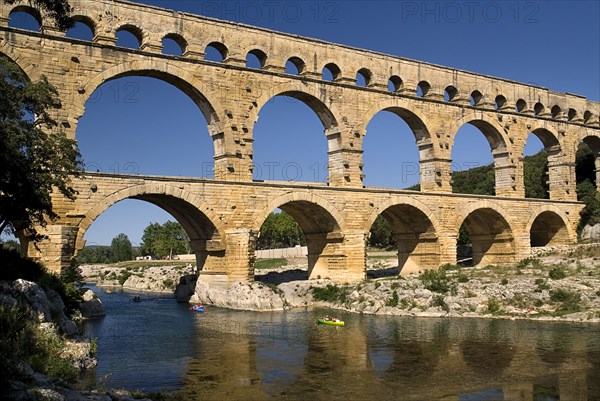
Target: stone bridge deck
pixel 223 219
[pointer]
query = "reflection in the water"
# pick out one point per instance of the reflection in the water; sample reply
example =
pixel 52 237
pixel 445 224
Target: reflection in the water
pixel 286 355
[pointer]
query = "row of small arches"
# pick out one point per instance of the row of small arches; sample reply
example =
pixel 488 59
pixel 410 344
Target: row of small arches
pixel 174 44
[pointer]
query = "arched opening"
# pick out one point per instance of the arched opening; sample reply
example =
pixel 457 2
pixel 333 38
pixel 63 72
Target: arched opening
pixel 548 229
pixel 295 66
pixel 256 59
pixel 478 148
pixel 408 230
pixel 150 226
pixel 174 45
pixel 304 223
pixel 331 72
pixel 289 144
pixel 485 238
pixel 129 36
pixel 556 111
pixel 587 117
pixel 572 114
pixel 83 29
pixel 538 109
pixel 499 102
pixel 392 151
pixel 423 88
pixel 216 52
pixel 540 150
pixel 587 170
pixel 475 98
pixel 363 77
pixel 521 106
pixel 450 93
pixel 147 123
pixel 25 17
pixel 395 84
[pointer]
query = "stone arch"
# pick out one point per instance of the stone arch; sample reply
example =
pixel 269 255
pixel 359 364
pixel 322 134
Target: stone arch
pixel 415 229
pixel 322 226
pixel 336 221
pixel 22 8
pixel 198 91
pixel 487 124
pixel 314 99
pixel 87 21
pixel 177 38
pixel 7 53
pixel 133 29
pixel 550 226
pixel 417 121
pixel 297 62
pixel 196 217
pixel 491 232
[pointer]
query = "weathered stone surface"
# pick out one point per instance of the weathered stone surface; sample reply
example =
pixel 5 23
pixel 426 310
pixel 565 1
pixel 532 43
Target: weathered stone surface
pixel 591 233
pixel 245 296
pixel 186 288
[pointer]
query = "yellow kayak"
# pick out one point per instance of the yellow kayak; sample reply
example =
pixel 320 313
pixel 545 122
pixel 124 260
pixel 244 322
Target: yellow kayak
pixel 331 322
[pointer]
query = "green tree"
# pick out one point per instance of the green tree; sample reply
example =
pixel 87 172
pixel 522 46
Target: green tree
pixel 34 161
pixel 59 10
pixel 381 234
pixel 164 240
pixel 121 248
pixel 95 254
pixel 280 230
pixel 11 245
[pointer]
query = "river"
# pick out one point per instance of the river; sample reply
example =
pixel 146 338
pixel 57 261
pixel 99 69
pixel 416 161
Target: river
pixel 159 345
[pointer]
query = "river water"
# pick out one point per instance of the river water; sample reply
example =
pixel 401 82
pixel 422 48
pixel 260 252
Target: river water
pixel 159 345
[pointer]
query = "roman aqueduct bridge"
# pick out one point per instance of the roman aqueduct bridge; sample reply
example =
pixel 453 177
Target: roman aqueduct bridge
pixel 222 216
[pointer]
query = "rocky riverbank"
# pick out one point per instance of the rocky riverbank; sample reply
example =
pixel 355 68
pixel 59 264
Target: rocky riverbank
pixel 560 286
pixel 140 278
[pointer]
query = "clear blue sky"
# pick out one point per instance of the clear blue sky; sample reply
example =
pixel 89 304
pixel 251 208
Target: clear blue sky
pixel 142 125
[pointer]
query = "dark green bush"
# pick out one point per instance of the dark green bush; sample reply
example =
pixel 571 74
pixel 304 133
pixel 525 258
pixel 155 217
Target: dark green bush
pixel 393 300
pixel 435 280
pixel 557 273
pixel 330 293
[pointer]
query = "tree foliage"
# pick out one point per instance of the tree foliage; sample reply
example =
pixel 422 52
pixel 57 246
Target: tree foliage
pixel 121 248
pixel 164 240
pixel 34 161
pixel 95 254
pixel 280 230
pixel 586 187
pixel 381 234
pixel 58 10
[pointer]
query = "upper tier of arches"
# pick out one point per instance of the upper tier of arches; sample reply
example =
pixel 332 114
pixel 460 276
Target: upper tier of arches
pixel 195 36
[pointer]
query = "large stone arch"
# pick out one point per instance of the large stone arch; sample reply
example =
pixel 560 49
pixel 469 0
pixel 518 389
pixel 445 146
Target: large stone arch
pixel 430 157
pixel 500 145
pixel 203 226
pixel 322 225
pixel 416 230
pixel 592 139
pixel 27 68
pixel 203 95
pixel 549 225
pixel 315 99
pixel 491 230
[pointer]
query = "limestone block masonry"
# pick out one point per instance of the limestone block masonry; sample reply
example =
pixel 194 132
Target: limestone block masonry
pixel 222 216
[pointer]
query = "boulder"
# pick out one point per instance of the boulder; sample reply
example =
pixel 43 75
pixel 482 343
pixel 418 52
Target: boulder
pixel 186 287
pixel 591 233
pixel 35 297
pixel 244 296
pixel 91 307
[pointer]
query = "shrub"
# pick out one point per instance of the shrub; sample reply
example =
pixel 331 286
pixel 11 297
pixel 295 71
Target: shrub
pixel 529 262
pixel 541 285
pixel 493 305
pixel 168 283
pixel 435 280
pixel 570 301
pixel 438 300
pixel 393 300
pixel 462 278
pixel 330 293
pixel 557 273
pixel 504 281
